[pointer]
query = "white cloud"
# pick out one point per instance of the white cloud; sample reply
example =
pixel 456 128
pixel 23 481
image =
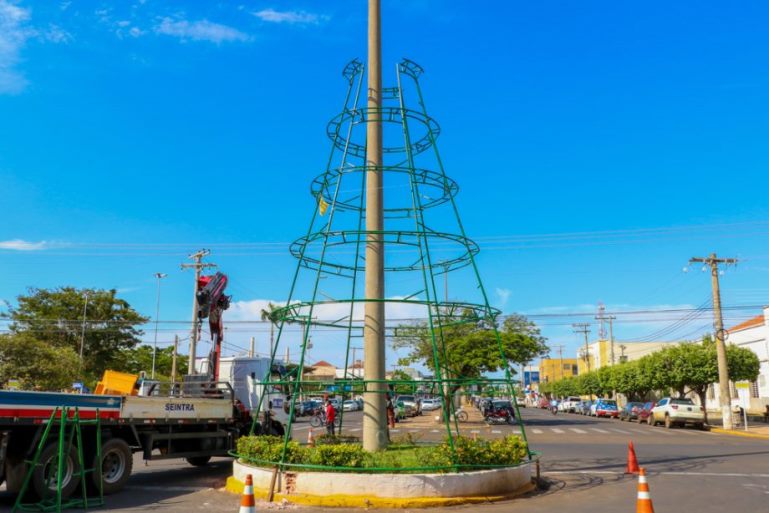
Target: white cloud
pixel 23 245
pixel 202 30
pixel 503 295
pixel 290 17
pixel 13 35
pixel 56 34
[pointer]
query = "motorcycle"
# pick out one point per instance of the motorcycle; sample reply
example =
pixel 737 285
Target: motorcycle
pixel 500 416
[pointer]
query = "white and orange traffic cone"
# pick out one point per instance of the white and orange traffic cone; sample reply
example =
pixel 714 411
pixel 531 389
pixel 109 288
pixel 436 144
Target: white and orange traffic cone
pixel 632 461
pixel 247 503
pixel 644 502
pixel 310 438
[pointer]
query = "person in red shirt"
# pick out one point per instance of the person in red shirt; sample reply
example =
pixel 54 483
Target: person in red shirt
pixel 330 417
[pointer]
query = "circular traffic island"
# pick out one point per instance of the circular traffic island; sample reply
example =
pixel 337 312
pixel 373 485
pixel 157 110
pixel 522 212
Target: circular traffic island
pixel 340 473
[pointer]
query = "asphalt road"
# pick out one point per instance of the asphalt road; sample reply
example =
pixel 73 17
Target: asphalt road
pixel 583 460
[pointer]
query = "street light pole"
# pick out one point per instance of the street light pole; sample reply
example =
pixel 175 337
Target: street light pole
pixel 82 330
pixel 159 277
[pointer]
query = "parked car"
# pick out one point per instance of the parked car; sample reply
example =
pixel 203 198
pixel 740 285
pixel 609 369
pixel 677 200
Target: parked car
pixel 677 412
pixel 606 408
pixel 630 411
pixel 645 413
pixel 360 404
pixel 431 404
pixel 403 410
pixel 412 402
pixel 584 407
pixel 350 405
pixel 504 405
pixel 520 402
pixel 543 403
pixel 569 405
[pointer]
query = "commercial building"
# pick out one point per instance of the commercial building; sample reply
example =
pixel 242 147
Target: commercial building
pixel 599 353
pixel 554 369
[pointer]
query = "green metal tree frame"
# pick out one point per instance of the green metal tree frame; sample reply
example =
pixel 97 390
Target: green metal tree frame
pixel 318 250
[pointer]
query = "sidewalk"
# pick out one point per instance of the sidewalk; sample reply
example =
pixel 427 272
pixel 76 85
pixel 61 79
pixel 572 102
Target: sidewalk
pixel 756 429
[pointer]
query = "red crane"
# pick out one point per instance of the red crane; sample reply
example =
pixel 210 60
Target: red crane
pixel 212 302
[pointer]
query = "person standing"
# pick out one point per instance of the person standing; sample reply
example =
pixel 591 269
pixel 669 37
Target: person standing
pixel 390 412
pixel 330 417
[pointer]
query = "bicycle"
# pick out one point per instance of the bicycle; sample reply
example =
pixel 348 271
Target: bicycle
pixel 319 419
pixel 461 415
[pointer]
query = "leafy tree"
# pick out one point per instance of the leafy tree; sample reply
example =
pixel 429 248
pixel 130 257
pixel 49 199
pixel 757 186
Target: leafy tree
pixel 138 359
pixel 36 365
pixel 471 350
pixel 270 314
pixel 402 388
pixel 55 317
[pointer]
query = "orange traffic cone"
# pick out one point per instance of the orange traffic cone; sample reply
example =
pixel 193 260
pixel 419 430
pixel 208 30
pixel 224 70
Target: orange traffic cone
pixel 310 438
pixel 644 502
pixel 632 462
pixel 247 503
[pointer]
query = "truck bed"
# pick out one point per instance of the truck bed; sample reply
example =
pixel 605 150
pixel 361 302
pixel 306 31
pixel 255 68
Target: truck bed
pixel 25 407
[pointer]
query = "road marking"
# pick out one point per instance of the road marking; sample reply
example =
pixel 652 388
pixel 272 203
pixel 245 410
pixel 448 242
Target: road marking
pixel 395 430
pixel 578 430
pixel 434 431
pixel 355 429
pixel 620 431
pixel 413 431
pixel 496 432
pixel 559 431
pixel 681 474
pixel 516 431
pixel 298 428
pixel 475 431
pixel 600 430
pixel 537 431
pixel 640 431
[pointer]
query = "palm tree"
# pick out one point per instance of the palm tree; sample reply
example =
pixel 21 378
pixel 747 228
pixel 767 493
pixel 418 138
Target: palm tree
pixel 270 314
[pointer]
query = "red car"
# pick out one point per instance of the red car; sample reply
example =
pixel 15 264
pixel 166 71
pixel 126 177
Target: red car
pixel 645 412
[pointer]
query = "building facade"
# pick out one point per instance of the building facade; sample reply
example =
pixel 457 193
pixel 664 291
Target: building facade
pixel 555 369
pixel 752 334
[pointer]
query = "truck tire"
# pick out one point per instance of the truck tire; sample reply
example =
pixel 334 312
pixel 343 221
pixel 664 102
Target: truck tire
pixel 116 465
pixel 198 461
pixel 70 478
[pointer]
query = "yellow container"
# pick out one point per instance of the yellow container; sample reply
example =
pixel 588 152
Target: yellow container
pixel 117 383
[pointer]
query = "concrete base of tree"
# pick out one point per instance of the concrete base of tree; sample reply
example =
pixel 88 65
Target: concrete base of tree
pixel 386 490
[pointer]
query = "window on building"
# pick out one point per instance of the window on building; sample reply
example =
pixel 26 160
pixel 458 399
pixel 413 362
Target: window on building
pixel 754 390
pixel 566 366
pixel 574 369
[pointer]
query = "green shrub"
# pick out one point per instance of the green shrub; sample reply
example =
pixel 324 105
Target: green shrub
pixel 338 455
pixel 269 449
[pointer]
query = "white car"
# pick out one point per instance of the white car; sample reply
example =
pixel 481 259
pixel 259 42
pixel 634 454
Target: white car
pixel 569 405
pixel 431 404
pixel 680 411
pixel 520 402
pixel 350 405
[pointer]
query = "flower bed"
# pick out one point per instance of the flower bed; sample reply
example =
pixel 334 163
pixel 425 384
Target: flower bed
pixel 331 456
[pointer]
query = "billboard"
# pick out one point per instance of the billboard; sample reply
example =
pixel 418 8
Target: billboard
pixel 530 377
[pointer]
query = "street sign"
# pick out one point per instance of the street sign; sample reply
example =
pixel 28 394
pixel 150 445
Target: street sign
pixel 530 377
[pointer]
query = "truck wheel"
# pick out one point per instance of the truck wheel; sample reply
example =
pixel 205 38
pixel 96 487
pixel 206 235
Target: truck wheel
pixel 116 465
pixel 44 487
pixel 198 461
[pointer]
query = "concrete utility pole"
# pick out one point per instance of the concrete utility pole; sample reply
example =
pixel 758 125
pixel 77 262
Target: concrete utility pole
pixel 198 266
pixel 718 323
pixel 159 277
pixel 173 359
pixel 252 347
pixel 82 330
pixel 583 327
pixel 374 413
pixel 603 317
pixel 560 358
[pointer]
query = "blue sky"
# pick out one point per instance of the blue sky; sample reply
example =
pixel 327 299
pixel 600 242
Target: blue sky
pixel 598 146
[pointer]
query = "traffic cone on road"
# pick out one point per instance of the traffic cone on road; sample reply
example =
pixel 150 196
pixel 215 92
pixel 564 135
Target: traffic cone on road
pixel 310 438
pixel 644 501
pixel 247 503
pixel 632 462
